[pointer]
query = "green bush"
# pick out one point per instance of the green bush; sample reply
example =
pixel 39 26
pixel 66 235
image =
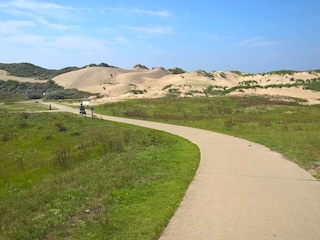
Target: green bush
pixel 176 70
pixel 204 73
pixel 313 85
pixel 30 70
pixel 213 91
pixel 141 66
pixel 223 74
pixel 136 91
pixel 13 88
pixel 282 72
pixel 237 72
pixel 167 86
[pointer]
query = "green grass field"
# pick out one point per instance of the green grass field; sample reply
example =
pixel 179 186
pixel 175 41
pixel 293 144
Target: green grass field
pixel 6 107
pixel 64 176
pixel 280 124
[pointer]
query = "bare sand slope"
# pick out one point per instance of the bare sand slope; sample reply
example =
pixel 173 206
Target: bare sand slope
pixel 4 75
pixel 111 82
pixel 115 84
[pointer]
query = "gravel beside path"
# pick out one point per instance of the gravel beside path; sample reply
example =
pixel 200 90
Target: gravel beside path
pixel 241 191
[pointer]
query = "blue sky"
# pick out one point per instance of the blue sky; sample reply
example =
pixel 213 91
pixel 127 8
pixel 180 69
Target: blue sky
pixel 249 36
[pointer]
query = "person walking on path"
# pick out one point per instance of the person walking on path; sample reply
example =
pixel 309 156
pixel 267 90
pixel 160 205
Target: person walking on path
pixel 82 109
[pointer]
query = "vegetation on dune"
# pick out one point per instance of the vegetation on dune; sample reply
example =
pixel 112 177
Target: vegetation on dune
pixel 282 72
pixel 313 84
pixel 205 74
pixel 176 70
pixel 64 176
pixel 47 90
pixel 141 66
pixel 33 71
pixel 223 74
pixel 237 72
pixel 99 65
pixel 136 91
pixel 162 68
pixel 310 84
pixel 281 124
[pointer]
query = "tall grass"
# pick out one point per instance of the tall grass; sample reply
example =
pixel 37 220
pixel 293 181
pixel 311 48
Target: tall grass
pixel 70 177
pixel 12 106
pixel 280 124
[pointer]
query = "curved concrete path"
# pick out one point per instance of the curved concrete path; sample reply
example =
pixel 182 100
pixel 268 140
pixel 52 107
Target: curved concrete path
pixel 241 191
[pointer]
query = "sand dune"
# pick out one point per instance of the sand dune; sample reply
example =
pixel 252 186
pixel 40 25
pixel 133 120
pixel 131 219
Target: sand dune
pixel 5 76
pixel 115 84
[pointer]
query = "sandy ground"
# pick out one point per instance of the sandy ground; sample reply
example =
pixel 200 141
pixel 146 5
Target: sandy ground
pixel 5 76
pixel 241 191
pixel 116 84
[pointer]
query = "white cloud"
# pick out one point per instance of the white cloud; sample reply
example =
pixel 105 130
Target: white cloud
pixel 36 6
pixel 249 41
pixel 13 27
pixel 58 27
pixel 163 13
pixel 154 30
pixel 32 9
pixel 258 42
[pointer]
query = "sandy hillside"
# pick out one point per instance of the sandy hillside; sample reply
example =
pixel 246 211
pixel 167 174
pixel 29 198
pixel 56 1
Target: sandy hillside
pixel 4 75
pixel 115 84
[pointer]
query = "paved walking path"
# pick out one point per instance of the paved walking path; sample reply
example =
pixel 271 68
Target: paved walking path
pixel 241 191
